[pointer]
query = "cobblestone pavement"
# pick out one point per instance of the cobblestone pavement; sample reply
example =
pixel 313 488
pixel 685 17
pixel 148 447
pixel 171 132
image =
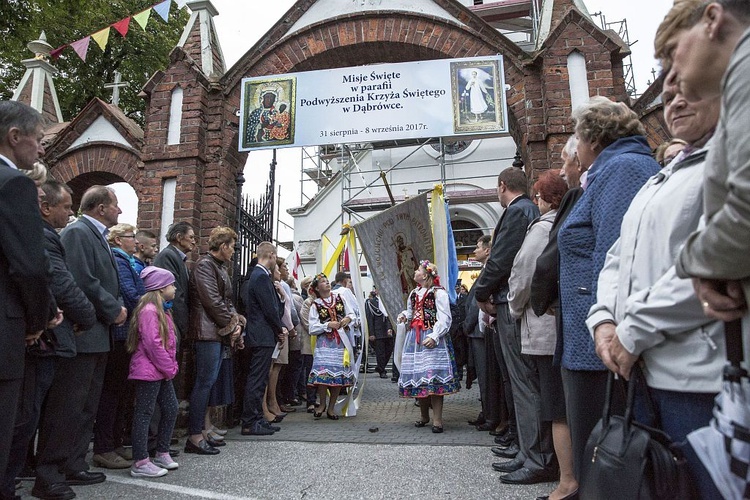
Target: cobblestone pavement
pixel 344 459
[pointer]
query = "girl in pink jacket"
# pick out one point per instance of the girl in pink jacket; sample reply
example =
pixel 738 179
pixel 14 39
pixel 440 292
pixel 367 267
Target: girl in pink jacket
pixel 151 339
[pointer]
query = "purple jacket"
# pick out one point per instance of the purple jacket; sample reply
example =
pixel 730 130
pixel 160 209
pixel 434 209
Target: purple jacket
pixel 150 361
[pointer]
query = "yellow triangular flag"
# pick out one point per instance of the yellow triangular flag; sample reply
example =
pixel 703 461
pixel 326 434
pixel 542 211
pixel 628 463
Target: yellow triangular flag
pixel 101 37
pixel 142 18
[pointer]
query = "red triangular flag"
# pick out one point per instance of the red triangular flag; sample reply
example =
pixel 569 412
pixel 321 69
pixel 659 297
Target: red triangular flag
pixel 297 264
pixel 56 53
pixel 122 26
pixel 81 47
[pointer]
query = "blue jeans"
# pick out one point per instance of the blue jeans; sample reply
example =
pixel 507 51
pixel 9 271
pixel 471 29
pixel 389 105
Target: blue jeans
pixel 207 366
pixel 678 414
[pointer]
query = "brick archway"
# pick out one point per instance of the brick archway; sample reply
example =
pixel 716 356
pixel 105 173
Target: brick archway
pixel 386 37
pixel 205 163
pixel 97 163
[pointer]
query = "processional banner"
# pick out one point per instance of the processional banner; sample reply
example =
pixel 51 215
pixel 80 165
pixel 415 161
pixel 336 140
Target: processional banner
pixel 382 102
pixel 393 242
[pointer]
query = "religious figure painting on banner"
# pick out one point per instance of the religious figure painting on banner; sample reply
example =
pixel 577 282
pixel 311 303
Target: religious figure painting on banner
pixel 476 88
pixel 269 112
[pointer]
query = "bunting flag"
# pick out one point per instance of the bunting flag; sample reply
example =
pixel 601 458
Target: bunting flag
pixel 81 47
pixel 163 9
pixel 101 38
pixel 122 26
pixel 142 18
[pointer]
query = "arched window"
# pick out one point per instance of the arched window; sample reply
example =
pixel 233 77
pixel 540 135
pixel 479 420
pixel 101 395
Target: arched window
pixel 175 117
pixel 577 79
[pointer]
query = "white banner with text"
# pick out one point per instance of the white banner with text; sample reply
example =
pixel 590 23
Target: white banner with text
pixel 384 102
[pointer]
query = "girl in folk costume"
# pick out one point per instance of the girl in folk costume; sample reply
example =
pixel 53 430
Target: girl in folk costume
pixel 151 339
pixel 428 365
pixel 332 368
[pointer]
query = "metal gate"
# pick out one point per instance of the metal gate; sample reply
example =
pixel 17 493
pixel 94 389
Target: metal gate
pixel 254 225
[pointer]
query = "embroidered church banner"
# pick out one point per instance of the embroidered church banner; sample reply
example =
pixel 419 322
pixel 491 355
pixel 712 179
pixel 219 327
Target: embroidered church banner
pixel 382 102
pixel 393 242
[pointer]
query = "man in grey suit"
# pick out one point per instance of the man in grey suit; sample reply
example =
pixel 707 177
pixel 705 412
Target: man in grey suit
pixel 62 453
pixel 24 296
pixel 181 238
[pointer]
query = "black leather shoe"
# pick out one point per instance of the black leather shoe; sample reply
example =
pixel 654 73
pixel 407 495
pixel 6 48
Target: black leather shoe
pixel 486 426
pixel 511 466
pixel 84 477
pixel 478 421
pixel 256 430
pixel 267 425
pixel 496 433
pixel 509 452
pixel 571 496
pixel 215 444
pixel 55 491
pixel 394 379
pixel 203 448
pixel 507 439
pixel 527 476
pixel 383 375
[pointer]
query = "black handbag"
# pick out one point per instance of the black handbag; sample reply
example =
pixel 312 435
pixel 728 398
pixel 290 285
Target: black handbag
pixel 628 460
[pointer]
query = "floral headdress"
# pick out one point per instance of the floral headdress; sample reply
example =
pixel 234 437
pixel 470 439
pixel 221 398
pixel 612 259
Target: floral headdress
pixel 316 280
pixel 431 270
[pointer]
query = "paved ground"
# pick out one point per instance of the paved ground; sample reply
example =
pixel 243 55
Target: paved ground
pixel 344 459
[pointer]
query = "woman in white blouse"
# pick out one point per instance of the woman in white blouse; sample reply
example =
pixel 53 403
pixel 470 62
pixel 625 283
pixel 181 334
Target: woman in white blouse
pixel 428 365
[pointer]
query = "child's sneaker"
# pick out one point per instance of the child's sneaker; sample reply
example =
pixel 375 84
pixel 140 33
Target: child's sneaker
pixel 147 469
pixel 164 460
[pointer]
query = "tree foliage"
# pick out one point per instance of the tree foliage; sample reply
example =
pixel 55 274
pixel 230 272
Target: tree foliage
pixel 137 56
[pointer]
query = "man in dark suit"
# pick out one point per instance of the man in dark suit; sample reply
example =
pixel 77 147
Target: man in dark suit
pixel 380 331
pixel 42 357
pixel 62 457
pixel 181 238
pixel 534 462
pixel 24 297
pixel 264 329
pixel 475 334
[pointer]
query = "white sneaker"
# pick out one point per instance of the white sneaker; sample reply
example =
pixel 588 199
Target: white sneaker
pixel 165 461
pixel 149 469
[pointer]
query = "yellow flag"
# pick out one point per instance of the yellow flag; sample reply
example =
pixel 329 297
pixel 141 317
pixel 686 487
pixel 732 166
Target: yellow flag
pixel 332 262
pixel 142 18
pixel 101 37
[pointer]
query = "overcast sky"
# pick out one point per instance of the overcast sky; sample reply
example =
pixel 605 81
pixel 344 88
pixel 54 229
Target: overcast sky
pixel 240 24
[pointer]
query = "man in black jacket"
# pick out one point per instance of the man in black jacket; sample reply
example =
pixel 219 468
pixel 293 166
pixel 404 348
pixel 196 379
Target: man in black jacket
pixel 380 331
pixel 41 359
pixel 534 462
pixel 25 302
pixel 263 311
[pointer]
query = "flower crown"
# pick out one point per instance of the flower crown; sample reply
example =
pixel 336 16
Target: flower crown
pixel 316 280
pixel 429 268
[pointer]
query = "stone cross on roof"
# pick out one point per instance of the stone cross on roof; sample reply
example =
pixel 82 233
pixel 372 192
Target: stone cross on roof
pixel 115 86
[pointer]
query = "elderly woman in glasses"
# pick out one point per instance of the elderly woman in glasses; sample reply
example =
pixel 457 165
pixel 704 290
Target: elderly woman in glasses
pixel 428 365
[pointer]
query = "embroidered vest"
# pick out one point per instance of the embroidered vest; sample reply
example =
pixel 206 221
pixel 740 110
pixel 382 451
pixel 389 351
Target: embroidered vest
pixel 428 311
pixel 325 315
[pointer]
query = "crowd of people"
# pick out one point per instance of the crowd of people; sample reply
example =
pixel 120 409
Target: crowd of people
pixel 623 262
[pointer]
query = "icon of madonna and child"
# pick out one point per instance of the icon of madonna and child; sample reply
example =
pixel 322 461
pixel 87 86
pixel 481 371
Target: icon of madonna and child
pixel 269 113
